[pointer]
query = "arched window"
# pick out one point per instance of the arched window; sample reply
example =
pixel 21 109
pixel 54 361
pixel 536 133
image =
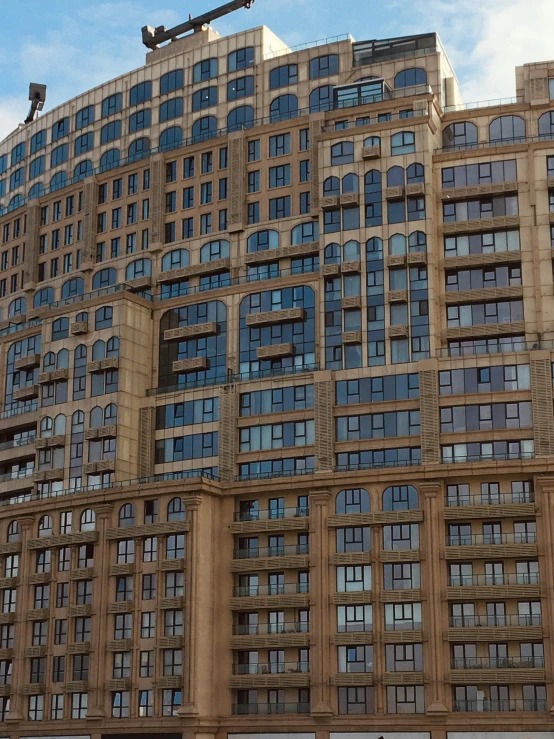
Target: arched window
pixel 78 422
pixel 400 498
pixel 138 268
pixel 410 77
pixel 507 128
pixel 305 233
pixel 204 128
pixel 395 177
pixel 204 70
pixel 214 250
pixel 36 191
pixel 175 259
pixel 204 98
pixel 546 125
pixel 60 329
pixel 374 248
pixel 72 288
pixel 174 80
pixel 342 153
pixel 88 520
pixel 110 159
pixel 171 138
pixel 402 142
pixel 397 244
pixel 82 170
pixel 176 510
pixel 46 427
pixel 331 187
pixel 104 278
pixel 49 362
pixel 241 117
pixel 62 360
pixel 43 297
pixel 96 417
pixel 58 181
pixel 17 307
pixel 171 109
pixel 372 141
pixel 15 202
pixel 110 414
pixel 112 347
pixel 352 500
pixel 415 173
pixel 331 254
pixel 321 98
pixel 351 251
pixel 263 240
pixel 140 93
pixel 417 241
pixel 139 149
pixel 14 532
pixel 98 350
pixel 127 515
pixel 103 317
pixel 59 425
pixel 350 183
pixel 463 135
pixel 45 526
pixel 283 108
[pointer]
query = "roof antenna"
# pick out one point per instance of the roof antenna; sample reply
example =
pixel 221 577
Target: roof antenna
pixel 153 37
pixel 37 96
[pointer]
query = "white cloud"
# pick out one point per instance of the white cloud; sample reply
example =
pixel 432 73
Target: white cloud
pixel 12 112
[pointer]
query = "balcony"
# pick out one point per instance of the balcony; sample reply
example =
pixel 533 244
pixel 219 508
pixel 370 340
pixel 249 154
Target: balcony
pixel 269 709
pixel 270 514
pixel 282 589
pixel 525 537
pixel 499 705
pixel 273 668
pixel 500 499
pixel 505 578
pixel 497 663
pixel 276 551
pixel 288 627
pixel 471 622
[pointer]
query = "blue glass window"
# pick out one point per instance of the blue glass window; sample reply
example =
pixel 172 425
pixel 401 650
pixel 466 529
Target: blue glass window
pixel 58 181
pixel 3 163
pixel 59 155
pixel 36 191
pixel 112 104
pixel 110 159
pixel 110 132
pixel 321 99
pixel 18 153
pixel 204 70
pixel 84 143
pixel 138 268
pixel 283 76
pixel 171 109
pixel 283 108
pixel 43 297
pixel 172 81
pixel 242 117
pixel 139 149
pixel 240 59
pixel 37 167
pixel 60 129
pixel 171 138
pixel 240 87
pixel 324 66
pixel 205 128
pixel 73 287
pixel 17 178
pixel 140 93
pixel 204 98
pixel 410 77
pixel 38 141
pixel 140 120
pixel 104 278
pixel 84 117
pixel 82 170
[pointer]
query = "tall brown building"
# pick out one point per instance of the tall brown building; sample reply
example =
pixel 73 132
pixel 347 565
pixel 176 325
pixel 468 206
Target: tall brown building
pixel 277 427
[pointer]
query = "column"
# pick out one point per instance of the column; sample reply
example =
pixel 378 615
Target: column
pixel 429 410
pixel 319 612
pixel 189 706
pixel 100 599
pixel 545 526
pixel 23 604
pixel 433 547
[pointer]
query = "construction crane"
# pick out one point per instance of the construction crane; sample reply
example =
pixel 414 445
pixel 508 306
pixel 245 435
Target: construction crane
pixel 153 37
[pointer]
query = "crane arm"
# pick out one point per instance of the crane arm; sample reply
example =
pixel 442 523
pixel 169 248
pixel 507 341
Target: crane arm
pixel 152 37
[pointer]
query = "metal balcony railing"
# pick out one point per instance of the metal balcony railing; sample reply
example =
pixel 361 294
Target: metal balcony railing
pixel 454 501
pixel 524 537
pixel 507 620
pixel 19 410
pixel 286 627
pixel 267 709
pixel 242 591
pixel 271 514
pixel 496 663
pixel 500 705
pixel 23 440
pixel 403 626
pixel 275 551
pixel 506 578
pixel 508 141
pixel 18 475
pixel 272 668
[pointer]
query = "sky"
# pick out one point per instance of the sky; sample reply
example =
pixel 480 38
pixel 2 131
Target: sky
pixel 83 43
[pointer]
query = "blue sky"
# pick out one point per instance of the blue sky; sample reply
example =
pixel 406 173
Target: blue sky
pixel 83 43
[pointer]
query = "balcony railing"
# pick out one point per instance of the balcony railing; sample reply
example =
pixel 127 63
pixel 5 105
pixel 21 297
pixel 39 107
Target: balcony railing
pixel 508 141
pixel 496 663
pixel 15 327
pixel 276 551
pixel 231 379
pixel 403 626
pixel 499 456
pixel 454 501
pixel 376 465
pixel 515 619
pixel 19 410
pixel 275 473
pixel 525 537
pixel 271 514
pixel 504 345
pixel 268 709
pixel 273 668
pixel 23 440
pixel 500 705
pixel 506 578
pixel 245 591
pixel 17 475
pixel 288 627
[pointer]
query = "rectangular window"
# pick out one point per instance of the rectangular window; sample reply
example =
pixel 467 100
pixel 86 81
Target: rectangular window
pixel 279 145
